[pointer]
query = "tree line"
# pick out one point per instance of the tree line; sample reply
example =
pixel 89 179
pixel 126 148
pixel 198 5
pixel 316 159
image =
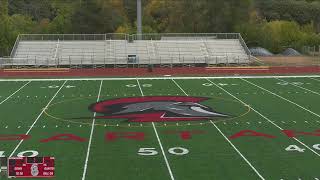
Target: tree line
pixel 273 24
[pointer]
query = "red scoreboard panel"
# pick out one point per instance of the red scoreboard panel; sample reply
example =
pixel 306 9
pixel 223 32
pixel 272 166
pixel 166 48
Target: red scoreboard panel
pixel 33 167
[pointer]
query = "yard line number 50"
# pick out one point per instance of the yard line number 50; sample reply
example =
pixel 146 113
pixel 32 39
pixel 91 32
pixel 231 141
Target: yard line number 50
pixel 179 151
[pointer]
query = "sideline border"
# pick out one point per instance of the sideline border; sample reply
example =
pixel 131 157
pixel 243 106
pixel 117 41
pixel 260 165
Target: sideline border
pixel 160 78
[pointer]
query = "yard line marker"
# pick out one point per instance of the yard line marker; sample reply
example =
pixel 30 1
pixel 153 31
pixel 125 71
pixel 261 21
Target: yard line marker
pixel 14 92
pixel 264 117
pixel 163 153
pixel 90 139
pixel 234 147
pixel 159 141
pixel 314 79
pixel 282 98
pixel 314 92
pixel 179 87
pixel 36 120
pixel 140 87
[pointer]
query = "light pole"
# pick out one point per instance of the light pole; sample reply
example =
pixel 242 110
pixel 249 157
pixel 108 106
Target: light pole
pixel 139 19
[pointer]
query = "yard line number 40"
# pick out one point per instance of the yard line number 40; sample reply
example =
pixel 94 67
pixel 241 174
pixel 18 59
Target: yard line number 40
pixel 298 149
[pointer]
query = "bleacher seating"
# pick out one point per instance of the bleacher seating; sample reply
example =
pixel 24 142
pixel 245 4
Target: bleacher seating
pixel 170 50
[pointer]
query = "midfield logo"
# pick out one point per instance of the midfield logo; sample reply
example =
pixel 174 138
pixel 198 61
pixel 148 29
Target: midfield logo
pixel 156 109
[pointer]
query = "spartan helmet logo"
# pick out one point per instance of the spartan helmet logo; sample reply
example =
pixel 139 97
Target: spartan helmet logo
pixel 155 109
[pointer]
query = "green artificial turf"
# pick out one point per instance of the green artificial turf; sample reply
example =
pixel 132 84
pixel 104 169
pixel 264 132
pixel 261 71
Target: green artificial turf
pixel 270 105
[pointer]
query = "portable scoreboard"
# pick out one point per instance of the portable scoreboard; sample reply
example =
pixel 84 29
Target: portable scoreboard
pixel 30 167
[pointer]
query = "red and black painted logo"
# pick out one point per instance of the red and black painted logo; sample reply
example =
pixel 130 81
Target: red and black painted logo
pixel 156 109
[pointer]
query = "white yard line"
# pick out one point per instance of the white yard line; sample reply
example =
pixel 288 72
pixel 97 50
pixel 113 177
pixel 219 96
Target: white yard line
pixel 90 139
pixel 314 92
pixel 159 141
pixel 282 98
pixel 140 87
pixel 236 149
pixel 163 153
pixel 168 78
pixel 179 87
pixel 14 92
pixel 232 145
pixel 36 120
pixel 264 117
pixel 314 79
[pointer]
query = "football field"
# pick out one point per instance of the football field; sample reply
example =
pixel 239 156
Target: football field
pixel 166 128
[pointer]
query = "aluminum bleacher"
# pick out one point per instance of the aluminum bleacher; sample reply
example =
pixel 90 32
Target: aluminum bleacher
pixel 121 50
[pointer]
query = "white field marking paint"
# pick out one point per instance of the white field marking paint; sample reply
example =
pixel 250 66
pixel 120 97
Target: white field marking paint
pixel 36 120
pixel 163 153
pixel 233 146
pixel 282 98
pixel 140 87
pixel 236 149
pixel 159 141
pixel 14 92
pixel 314 92
pixel 90 139
pixel 314 79
pixel 179 87
pixel 165 78
pixel 264 117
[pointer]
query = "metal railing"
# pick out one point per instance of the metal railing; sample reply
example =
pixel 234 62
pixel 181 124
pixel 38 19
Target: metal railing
pixel 15 46
pixel 185 36
pixel 73 37
pixel 118 61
